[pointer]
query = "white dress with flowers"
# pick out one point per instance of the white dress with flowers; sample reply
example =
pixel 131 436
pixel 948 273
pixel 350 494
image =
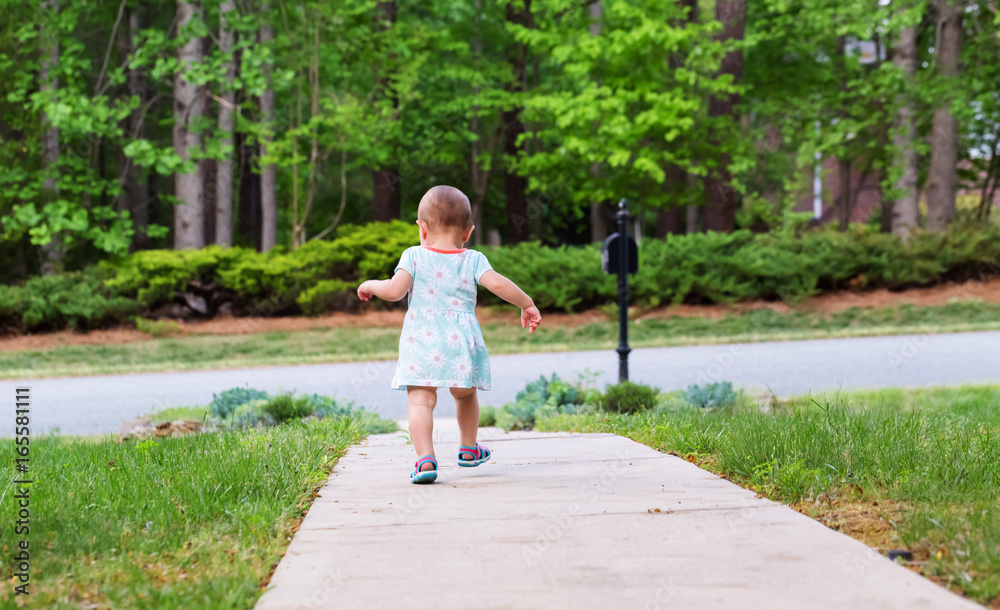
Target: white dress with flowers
pixel 442 344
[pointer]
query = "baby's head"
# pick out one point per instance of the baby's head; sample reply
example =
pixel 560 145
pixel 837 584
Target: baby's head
pixel 445 211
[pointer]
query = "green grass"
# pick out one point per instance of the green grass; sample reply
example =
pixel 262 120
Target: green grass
pixel 190 522
pixel 353 344
pixel 934 454
pixel 175 413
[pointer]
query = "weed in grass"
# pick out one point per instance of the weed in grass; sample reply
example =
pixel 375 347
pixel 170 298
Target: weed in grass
pixel 157 328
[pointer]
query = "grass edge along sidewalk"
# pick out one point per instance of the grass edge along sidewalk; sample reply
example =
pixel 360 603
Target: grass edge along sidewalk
pixel 915 470
pixel 324 346
pixel 195 522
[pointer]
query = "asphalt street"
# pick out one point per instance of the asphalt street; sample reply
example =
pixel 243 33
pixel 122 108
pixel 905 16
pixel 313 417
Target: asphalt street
pixel 97 405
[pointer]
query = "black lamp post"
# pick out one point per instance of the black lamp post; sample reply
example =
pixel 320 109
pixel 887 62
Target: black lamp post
pixel 620 255
pixel 623 269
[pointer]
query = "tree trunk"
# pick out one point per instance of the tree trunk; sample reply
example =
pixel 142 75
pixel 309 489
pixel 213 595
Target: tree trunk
pixel 944 130
pixel 515 185
pixel 248 215
pixel 843 202
pixel 224 167
pixel 52 253
pixel 720 209
pixel 386 189
pixel 188 108
pixel 480 176
pixel 266 188
pixel 136 198
pixel 671 220
pixel 598 214
pixel 905 210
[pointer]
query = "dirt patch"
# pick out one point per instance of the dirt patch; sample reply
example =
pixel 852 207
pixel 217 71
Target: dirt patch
pixel 988 291
pixel 869 521
pixel 63 338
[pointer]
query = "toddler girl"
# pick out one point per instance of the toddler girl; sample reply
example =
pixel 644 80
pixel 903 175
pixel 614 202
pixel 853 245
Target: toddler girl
pixel 442 344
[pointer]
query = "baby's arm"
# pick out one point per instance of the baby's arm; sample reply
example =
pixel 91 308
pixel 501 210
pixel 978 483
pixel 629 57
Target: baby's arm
pixel 508 291
pixel 387 290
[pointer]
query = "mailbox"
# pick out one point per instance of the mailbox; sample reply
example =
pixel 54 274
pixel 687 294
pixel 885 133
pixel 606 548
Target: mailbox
pixel 610 250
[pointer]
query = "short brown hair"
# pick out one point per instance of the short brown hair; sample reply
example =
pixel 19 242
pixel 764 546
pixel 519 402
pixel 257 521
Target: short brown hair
pixel 445 206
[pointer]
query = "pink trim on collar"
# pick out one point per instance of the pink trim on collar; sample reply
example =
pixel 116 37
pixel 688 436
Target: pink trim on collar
pixel 440 251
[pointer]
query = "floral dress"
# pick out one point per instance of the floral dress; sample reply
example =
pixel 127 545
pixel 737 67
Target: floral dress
pixel 442 344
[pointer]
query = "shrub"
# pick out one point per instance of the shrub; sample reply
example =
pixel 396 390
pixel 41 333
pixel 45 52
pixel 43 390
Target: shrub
pixel 487 416
pixel 710 395
pixel 540 398
pixel 226 402
pixel 70 301
pixel 286 406
pixel 321 275
pixel 251 414
pixel 628 397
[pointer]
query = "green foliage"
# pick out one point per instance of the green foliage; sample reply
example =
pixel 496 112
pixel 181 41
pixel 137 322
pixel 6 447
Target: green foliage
pixel 321 276
pixel 628 397
pixel 74 301
pixel 544 397
pixel 286 406
pixel 157 328
pixel 487 416
pixel 226 402
pixel 710 395
pixel 247 407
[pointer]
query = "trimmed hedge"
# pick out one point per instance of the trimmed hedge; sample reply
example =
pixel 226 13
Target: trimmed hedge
pixel 322 275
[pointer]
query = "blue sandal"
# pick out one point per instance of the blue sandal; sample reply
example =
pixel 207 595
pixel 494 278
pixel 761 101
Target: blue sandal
pixel 473 456
pixel 426 476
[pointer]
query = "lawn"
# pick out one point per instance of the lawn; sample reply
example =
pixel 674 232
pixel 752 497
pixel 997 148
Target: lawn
pixel 191 522
pixel 916 470
pixel 353 344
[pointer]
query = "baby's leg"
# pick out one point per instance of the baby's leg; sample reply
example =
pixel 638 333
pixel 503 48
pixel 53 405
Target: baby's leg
pixel 467 412
pixel 422 401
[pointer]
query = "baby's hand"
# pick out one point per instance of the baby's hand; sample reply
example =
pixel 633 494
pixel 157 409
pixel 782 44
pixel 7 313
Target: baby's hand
pixel 364 291
pixel 530 319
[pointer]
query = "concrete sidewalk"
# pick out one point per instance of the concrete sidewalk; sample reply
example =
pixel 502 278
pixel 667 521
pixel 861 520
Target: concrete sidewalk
pixel 570 521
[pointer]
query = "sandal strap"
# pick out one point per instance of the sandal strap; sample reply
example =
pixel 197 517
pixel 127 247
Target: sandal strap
pixel 476 452
pixel 424 460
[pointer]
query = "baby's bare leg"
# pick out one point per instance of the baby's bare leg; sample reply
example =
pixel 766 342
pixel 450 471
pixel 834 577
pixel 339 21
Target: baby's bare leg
pixel 422 402
pixel 467 412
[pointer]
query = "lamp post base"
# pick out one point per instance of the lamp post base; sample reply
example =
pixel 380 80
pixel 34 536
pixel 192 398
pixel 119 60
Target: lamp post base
pixel 623 353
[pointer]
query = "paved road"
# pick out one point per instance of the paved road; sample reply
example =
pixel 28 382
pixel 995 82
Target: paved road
pixel 96 405
pixel 570 521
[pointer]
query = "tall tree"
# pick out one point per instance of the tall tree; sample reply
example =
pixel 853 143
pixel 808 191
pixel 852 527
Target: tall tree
pixel 516 185
pixel 598 209
pixel 227 106
pixel 386 191
pixel 905 210
pixel 844 165
pixel 136 199
pixel 671 220
pixel 53 251
pixel 941 175
pixel 483 145
pixel 268 195
pixel 188 108
pixel 720 209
